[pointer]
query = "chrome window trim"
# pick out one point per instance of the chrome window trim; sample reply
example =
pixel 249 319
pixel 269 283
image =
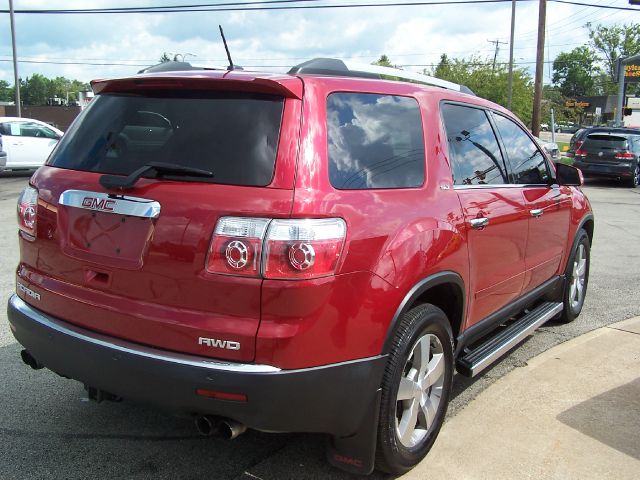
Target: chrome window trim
pixel 501 185
pixel 123 346
pixel 122 204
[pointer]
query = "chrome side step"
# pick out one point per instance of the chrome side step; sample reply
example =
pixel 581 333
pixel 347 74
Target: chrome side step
pixel 486 353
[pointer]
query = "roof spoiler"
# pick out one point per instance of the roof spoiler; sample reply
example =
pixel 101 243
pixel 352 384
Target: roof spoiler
pixel 346 68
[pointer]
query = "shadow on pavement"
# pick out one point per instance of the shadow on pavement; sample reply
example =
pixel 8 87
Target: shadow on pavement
pixel 610 418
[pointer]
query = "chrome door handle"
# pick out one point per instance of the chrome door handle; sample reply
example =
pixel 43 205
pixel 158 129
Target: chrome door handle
pixel 479 223
pixel 536 212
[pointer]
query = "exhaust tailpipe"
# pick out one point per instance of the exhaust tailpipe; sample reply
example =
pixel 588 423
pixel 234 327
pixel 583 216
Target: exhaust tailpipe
pixel 28 359
pixel 207 425
pixel 231 429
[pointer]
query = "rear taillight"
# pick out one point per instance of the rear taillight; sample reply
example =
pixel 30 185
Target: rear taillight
pixel 279 249
pixel 580 153
pixel 304 248
pixel 27 213
pixel 625 156
pixel 236 246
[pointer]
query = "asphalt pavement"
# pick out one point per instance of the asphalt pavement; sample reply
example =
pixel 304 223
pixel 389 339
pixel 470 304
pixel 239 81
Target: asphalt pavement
pixel 48 429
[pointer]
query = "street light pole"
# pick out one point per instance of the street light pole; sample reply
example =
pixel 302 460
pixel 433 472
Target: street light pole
pixel 513 28
pixel 15 60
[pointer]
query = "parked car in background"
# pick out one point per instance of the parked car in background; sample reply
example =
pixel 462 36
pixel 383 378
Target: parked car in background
pixel 26 142
pixel 551 148
pixel 610 155
pixel 567 127
pixel 580 135
pixel 3 155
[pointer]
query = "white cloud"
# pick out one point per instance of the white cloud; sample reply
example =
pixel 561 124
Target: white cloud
pixel 408 35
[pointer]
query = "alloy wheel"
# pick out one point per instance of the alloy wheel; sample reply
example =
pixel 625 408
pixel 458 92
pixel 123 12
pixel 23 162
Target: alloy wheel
pixel 578 277
pixel 420 390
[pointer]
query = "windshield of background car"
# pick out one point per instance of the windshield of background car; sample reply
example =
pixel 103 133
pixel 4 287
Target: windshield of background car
pixel 233 135
pixel 605 142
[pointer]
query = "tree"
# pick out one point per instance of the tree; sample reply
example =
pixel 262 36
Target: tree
pixel 383 61
pixel 165 57
pixel 574 72
pixel 38 89
pixel 613 42
pixel 6 92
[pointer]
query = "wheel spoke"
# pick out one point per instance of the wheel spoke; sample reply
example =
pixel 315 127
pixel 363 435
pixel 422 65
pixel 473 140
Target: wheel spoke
pixel 428 409
pixel 582 267
pixel 407 424
pixel 406 390
pixel 435 372
pixel 421 356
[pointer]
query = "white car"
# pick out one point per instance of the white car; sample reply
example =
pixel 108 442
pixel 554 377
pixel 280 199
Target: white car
pixel 26 142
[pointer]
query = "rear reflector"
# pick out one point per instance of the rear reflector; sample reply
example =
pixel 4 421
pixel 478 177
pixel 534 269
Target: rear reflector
pixel 27 213
pixel 235 397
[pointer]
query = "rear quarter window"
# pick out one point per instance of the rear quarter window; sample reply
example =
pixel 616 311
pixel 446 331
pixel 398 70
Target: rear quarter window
pixel 374 141
pixel 233 135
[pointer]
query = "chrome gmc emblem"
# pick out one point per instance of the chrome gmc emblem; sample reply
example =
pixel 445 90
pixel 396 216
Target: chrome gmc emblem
pixel 103 204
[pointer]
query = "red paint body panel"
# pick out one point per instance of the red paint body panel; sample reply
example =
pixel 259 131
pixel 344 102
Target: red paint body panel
pixel 155 291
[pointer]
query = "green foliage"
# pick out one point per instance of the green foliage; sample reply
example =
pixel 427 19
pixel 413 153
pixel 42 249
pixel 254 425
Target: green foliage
pixel 37 89
pixel 613 42
pixel 383 61
pixel 6 92
pixel 574 72
pixel 478 74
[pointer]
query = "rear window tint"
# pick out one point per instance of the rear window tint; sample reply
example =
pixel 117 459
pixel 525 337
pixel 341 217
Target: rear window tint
pixel 375 141
pixel 235 136
pixel 605 142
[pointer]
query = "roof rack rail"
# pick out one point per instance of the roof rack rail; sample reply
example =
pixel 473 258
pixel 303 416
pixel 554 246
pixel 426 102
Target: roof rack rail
pixel 347 68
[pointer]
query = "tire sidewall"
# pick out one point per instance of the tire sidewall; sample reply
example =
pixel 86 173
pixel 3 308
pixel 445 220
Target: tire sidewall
pixel 569 313
pixel 426 319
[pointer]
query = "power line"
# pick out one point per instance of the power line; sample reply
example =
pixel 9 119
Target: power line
pixel 250 6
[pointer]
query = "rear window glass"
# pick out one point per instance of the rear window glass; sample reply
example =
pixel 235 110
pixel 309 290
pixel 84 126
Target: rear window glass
pixel 605 142
pixel 235 136
pixel 375 141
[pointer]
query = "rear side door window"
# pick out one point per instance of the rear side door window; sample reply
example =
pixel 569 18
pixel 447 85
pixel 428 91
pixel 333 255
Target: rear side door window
pixel 473 148
pixel 374 141
pixel 528 163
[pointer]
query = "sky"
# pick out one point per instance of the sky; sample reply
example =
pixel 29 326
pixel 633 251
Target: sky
pixel 86 47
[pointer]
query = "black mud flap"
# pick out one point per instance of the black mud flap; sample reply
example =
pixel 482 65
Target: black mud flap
pixel 357 453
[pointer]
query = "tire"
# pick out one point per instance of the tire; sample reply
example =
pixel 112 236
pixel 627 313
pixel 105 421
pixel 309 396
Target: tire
pixel 577 278
pixel 424 328
pixel 635 179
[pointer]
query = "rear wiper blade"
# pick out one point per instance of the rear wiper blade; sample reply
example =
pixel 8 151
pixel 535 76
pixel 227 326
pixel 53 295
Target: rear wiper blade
pixel 118 182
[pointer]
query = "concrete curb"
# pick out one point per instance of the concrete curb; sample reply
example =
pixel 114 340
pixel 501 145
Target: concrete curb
pixel 571 412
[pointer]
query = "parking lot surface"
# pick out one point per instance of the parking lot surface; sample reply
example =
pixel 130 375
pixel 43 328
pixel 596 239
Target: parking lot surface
pixel 48 429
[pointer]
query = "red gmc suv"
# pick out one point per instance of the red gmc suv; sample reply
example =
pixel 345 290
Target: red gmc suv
pixel 311 252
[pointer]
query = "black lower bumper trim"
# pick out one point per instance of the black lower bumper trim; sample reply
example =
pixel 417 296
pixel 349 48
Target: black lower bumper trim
pixel 328 399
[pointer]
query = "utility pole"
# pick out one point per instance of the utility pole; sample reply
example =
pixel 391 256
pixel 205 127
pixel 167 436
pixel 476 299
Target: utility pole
pixel 513 29
pixel 15 61
pixel 495 55
pixel 537 95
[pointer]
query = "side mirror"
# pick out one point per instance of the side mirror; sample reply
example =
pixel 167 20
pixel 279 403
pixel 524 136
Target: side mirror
pixel 568 175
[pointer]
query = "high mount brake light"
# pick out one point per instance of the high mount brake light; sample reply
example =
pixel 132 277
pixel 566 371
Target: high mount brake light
pixel 278 249
pixel 27 213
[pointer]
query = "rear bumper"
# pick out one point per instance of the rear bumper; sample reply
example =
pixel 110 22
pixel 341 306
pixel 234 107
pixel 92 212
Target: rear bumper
pixel 328 399
pixel 612 170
